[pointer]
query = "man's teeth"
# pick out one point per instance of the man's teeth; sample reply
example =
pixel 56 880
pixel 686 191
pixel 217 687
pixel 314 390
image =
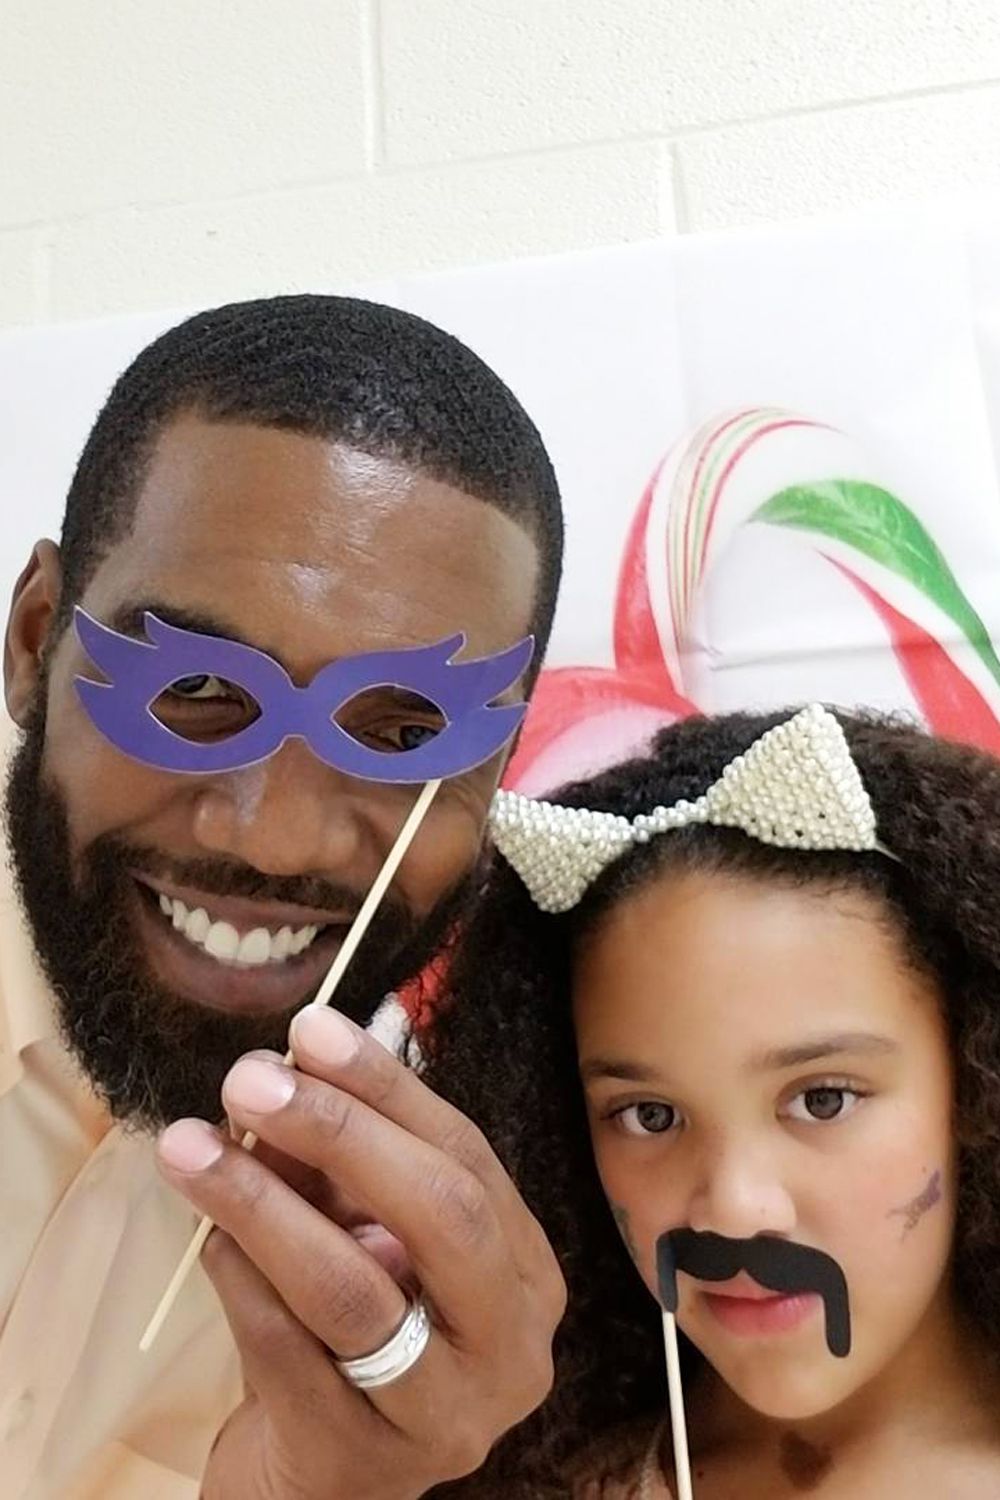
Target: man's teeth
pixel 222 941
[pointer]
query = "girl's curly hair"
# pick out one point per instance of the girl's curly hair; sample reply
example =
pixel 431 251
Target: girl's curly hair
pixel 500 1045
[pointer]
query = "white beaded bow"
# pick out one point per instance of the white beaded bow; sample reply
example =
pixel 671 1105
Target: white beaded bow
pixel 796 787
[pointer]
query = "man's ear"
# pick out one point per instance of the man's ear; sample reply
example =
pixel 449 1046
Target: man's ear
pixel 33 613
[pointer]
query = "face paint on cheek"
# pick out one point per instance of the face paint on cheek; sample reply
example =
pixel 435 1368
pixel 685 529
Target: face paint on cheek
pixel 621 1218
pixel 911 1213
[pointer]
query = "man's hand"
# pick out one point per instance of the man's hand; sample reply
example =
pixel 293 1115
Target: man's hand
pixel 298 1289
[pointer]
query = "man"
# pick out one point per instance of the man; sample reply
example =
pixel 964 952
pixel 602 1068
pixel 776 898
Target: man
pixel 316 478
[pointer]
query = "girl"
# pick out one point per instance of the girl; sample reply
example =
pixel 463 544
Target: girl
pixel 733 1034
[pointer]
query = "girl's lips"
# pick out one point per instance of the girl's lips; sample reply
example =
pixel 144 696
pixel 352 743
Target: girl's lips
pixel 761 1314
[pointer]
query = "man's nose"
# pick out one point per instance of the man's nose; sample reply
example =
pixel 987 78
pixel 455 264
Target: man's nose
pixel 290 815
pixel 740 1191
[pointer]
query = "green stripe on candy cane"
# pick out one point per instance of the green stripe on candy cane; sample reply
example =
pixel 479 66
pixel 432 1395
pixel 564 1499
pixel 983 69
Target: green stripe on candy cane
pixel 877 524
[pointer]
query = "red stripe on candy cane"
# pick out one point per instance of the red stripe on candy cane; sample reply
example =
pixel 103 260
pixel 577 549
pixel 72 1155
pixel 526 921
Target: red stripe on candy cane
pixel 571 695
pixel 636 638
pixel 740 452
pixel 951 704
pixel 682 582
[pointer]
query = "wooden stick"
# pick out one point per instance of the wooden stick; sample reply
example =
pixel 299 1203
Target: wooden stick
pixel 678 1426
pixel 323 996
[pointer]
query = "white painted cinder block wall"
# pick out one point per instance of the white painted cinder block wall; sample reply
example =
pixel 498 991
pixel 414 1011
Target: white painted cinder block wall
pixel 161 153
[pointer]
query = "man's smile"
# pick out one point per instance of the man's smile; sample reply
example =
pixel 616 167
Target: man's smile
pixel 234 953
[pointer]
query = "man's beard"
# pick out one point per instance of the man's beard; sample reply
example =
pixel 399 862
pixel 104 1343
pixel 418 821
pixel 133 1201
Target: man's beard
pixel 150 1054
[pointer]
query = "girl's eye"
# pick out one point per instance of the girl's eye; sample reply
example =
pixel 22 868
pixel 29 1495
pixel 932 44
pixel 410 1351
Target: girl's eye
pixel 647 1118
pixel 824 1102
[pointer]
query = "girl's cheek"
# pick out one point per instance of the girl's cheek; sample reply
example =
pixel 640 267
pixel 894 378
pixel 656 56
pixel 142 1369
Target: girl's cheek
pixel 920 1205
pixel 895 1237
pixel 644 1203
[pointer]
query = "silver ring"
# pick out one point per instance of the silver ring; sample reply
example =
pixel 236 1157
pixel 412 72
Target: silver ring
pixel 397 1355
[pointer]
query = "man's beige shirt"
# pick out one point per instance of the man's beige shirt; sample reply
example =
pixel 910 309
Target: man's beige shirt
pixel 89 1237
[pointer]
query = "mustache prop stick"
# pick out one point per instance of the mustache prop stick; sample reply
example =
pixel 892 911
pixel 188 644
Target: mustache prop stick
pixel 777 1265
pixel 675 1387
pixel 142 675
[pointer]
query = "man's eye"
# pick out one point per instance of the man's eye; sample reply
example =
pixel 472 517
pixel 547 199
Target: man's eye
pixel 390 720
pixel 203 707
pixel 201 687
pixel 412 736
pixel 396 739
pixel 649 1117
pixel 824 1102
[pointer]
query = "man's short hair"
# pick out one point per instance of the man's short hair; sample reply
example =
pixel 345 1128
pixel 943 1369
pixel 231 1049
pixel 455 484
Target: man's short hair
pixel 373 377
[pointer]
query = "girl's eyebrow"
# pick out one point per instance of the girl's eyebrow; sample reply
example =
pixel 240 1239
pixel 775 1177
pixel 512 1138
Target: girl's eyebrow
pixel 616 1067
pixel 867 1043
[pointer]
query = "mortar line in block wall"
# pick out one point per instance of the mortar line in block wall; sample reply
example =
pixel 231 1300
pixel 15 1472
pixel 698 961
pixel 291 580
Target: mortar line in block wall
pixel 702 128
pixel 705 127
pixel 456 164
pixel 374 91
pixel 41 276
pixel 675 181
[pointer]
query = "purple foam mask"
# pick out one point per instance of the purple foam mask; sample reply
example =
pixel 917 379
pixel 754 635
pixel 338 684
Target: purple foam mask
pixel 139 672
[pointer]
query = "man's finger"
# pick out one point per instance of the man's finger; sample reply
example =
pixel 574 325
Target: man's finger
pixel 330 1047
pixel 285 1365
pixel 441 1212
pixel 323 1275
pixel 290 1369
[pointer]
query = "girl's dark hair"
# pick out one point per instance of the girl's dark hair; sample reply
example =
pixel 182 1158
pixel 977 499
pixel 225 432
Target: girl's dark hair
pixel 500 1045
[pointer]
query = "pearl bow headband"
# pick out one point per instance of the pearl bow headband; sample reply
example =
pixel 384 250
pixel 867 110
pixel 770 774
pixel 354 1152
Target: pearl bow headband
pixel 796 787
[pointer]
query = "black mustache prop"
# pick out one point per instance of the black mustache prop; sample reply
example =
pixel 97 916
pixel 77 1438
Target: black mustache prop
pixel 775 1264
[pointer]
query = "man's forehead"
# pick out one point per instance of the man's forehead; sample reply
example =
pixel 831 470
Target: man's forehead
pixel 265 490
pixel 311 551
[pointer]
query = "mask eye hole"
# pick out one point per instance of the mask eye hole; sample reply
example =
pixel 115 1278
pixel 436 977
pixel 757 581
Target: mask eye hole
pixel 390 720
pixel 202 707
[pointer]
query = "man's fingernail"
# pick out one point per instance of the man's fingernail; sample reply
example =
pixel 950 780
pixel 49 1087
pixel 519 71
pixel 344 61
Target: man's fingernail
pixel 259 1088
pixel 190 1146
pixel 325 1035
